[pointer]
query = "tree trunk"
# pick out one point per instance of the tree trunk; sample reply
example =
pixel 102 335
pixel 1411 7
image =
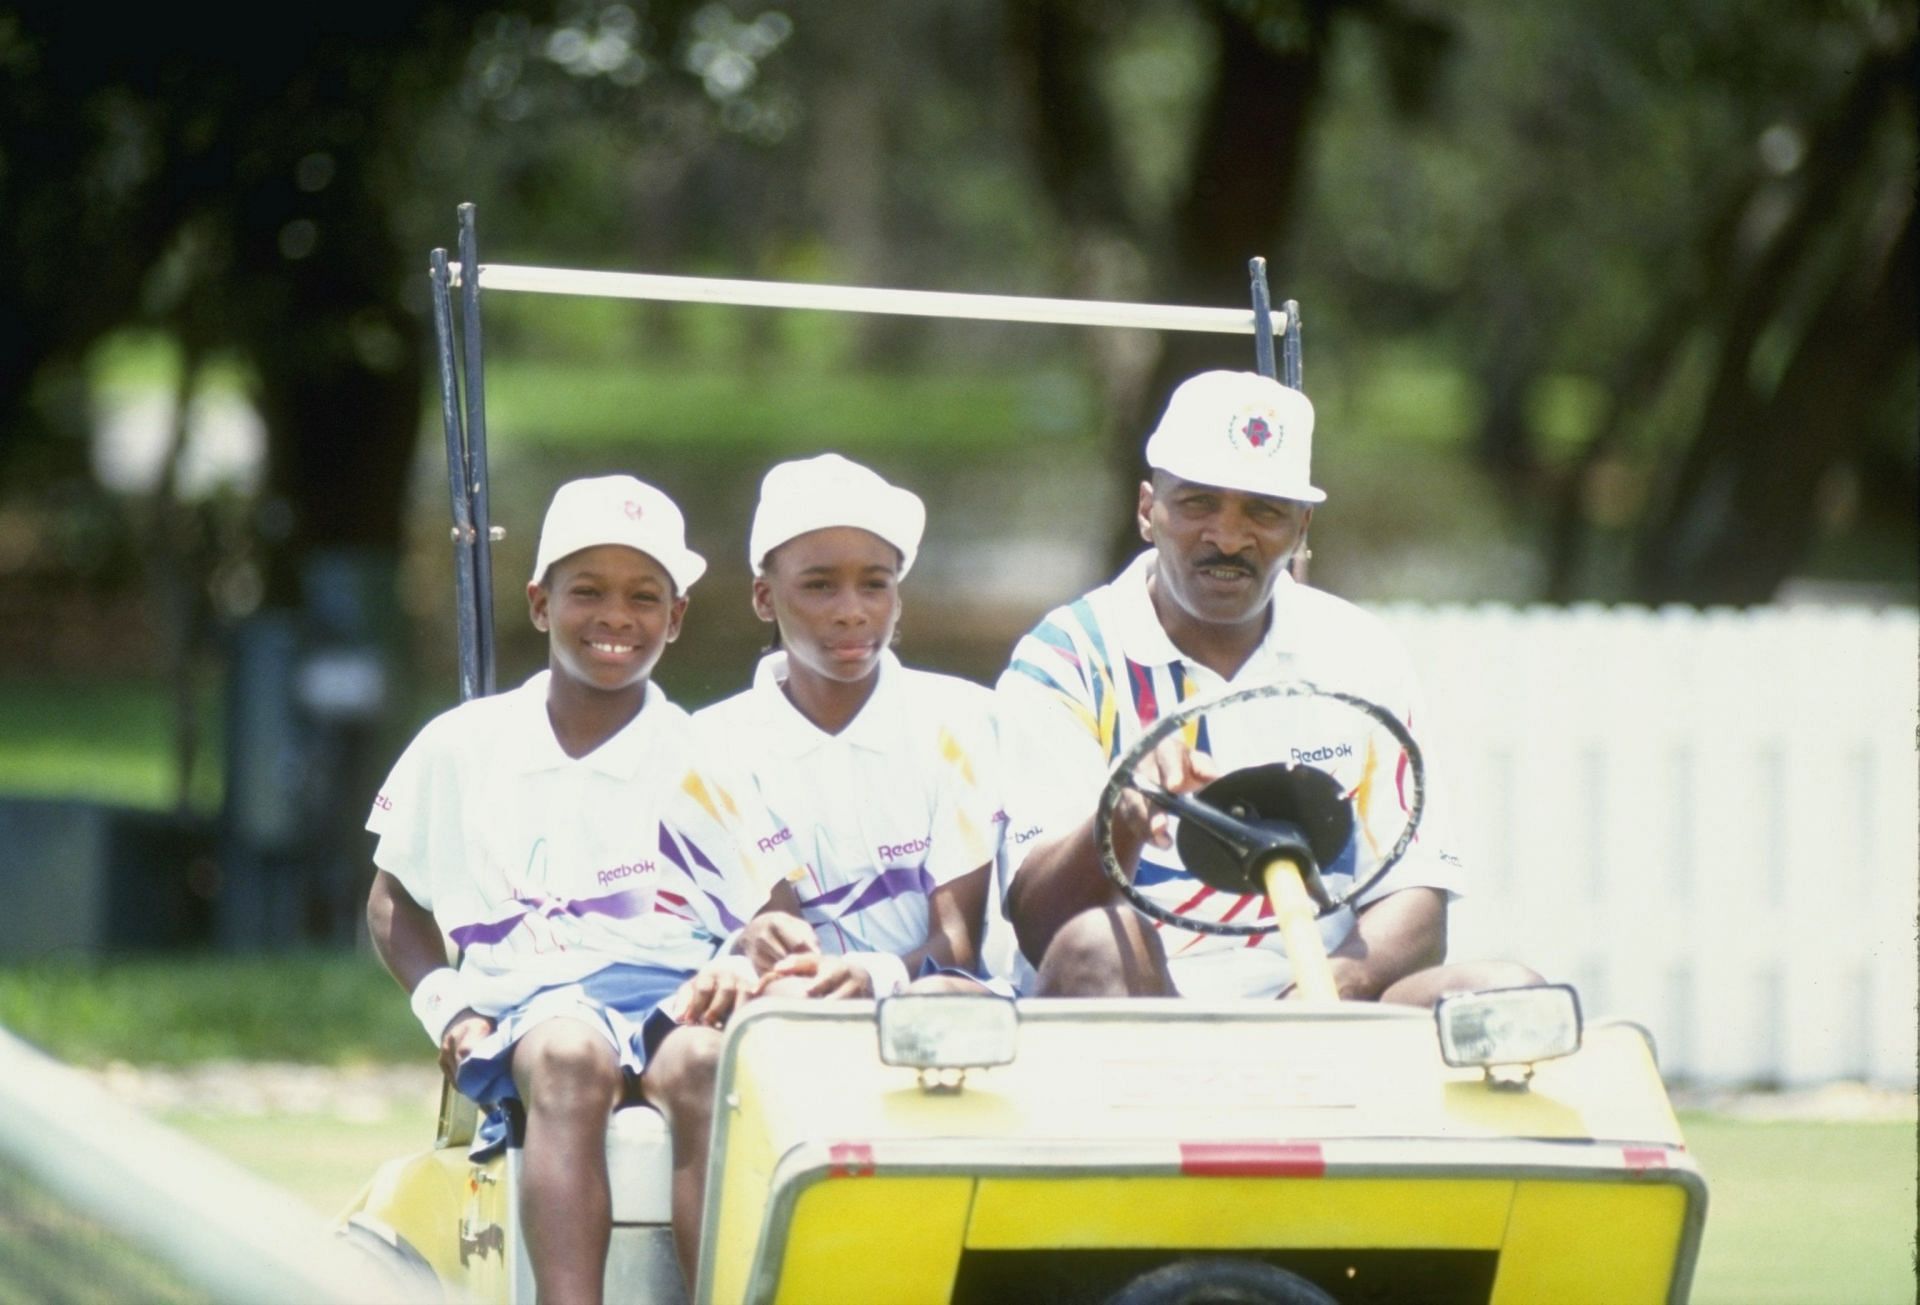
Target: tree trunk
pixel 1243 199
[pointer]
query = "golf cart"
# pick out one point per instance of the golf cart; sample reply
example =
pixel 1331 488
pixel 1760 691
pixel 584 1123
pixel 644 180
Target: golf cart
pixel 980 1149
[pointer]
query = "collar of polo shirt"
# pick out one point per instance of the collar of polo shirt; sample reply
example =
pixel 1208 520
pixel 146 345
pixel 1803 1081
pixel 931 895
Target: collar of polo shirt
pixel 534 746
pixel 876 726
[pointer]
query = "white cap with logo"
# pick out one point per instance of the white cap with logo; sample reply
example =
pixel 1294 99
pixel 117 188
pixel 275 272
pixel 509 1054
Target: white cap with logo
pixel 1238 430
pixel 617 510
pixel 818 493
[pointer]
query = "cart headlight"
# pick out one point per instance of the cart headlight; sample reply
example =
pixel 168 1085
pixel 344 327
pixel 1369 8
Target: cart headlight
pixel 1508 1026
pixel 948 1030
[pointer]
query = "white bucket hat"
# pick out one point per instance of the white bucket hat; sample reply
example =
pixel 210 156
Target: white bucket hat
pixel 618 510
pixel 817 493
pixel 1238 430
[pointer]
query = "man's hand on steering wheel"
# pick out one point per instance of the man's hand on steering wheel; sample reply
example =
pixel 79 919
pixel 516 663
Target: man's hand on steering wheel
pixel 1173 766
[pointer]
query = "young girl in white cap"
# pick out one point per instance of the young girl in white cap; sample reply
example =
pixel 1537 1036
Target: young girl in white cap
pixel 587 862
pixel 884 774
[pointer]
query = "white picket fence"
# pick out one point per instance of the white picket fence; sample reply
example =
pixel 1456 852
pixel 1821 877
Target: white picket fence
pixel 1705 819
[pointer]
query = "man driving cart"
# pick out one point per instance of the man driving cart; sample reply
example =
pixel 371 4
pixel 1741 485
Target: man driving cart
pixel 1210 608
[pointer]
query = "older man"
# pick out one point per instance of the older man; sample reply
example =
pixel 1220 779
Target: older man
pixel 1209 606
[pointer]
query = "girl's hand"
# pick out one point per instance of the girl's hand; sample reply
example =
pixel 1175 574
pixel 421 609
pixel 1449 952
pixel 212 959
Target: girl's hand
pixel 825 976
pixel 715 991
pixel 466 1032
pixel 774 935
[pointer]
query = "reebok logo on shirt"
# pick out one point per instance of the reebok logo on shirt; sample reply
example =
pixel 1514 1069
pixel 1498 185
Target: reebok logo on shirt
pixel 624 872
pixel 889 851
pixel 1332 752
pixel 768 844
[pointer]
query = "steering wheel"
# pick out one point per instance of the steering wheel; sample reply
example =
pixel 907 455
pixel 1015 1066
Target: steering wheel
pixel 1235 826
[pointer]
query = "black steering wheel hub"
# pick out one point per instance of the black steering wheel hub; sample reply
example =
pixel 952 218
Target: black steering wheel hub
pixel 1300 809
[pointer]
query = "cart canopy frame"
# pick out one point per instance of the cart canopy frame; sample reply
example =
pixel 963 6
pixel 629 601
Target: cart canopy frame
pixel 463 408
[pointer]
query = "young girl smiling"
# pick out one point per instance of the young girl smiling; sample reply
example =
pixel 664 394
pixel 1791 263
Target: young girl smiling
pixel 588 862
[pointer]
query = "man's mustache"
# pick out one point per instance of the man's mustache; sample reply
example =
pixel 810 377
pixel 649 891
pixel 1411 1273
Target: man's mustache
pixel 1236 562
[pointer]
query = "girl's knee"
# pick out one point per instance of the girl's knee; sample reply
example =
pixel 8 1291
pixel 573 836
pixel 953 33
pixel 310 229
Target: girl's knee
pixel 683 1068
pixel 564 1060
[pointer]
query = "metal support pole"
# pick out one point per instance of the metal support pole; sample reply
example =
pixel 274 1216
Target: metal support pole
pixel 466 613
pixel 1290 348
pixel 476 464
pixel 1262 318
pixel 1289 375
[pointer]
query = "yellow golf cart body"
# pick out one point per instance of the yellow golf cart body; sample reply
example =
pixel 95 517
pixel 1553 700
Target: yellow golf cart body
pixel 1325 1138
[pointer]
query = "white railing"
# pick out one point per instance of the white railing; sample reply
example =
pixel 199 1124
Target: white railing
pixel 1707 820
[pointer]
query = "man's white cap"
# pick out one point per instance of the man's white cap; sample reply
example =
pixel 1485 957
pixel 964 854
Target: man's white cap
pixel 1237 430
pixel 618 510
pixel 816 493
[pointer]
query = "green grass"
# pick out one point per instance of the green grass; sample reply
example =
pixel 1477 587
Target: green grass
pixel 321 1158
pixel 315 1008
pixel 105 740
pixel 1805 1213
pixel 591 406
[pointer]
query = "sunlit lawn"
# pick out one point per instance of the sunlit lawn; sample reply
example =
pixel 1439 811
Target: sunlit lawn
pixel 321 1158
pixel 326 1008
pixel 108 740
pixel 1803 1213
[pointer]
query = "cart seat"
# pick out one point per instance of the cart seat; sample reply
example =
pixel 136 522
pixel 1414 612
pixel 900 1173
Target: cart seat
pixel 640 1166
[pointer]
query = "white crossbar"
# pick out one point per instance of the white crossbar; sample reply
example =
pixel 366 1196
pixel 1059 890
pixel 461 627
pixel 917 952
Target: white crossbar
pixel 857 299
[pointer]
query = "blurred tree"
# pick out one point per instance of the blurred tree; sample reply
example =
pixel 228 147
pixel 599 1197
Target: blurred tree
pixel 1663 243
pixel 1227 183
pixel 226 184
pixel 1620 221
pixel 1810 343
pixel 264 192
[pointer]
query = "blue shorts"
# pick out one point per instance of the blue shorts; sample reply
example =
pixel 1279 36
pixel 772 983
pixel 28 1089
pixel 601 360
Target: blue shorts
pixel 622 1002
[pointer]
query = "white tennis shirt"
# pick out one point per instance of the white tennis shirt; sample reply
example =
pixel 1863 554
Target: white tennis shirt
pixel 896 804
pixel 1086 682
pixel 544 868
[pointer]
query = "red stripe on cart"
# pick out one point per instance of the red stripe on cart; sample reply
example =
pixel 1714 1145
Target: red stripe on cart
pixel 1253 1159
pixel 850 1160
pixel 1644 1157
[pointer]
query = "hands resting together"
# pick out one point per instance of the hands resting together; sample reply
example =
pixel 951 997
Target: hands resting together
pixel 776 954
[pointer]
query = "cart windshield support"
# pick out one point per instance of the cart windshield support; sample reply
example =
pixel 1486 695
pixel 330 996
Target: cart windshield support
pixel 463 391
